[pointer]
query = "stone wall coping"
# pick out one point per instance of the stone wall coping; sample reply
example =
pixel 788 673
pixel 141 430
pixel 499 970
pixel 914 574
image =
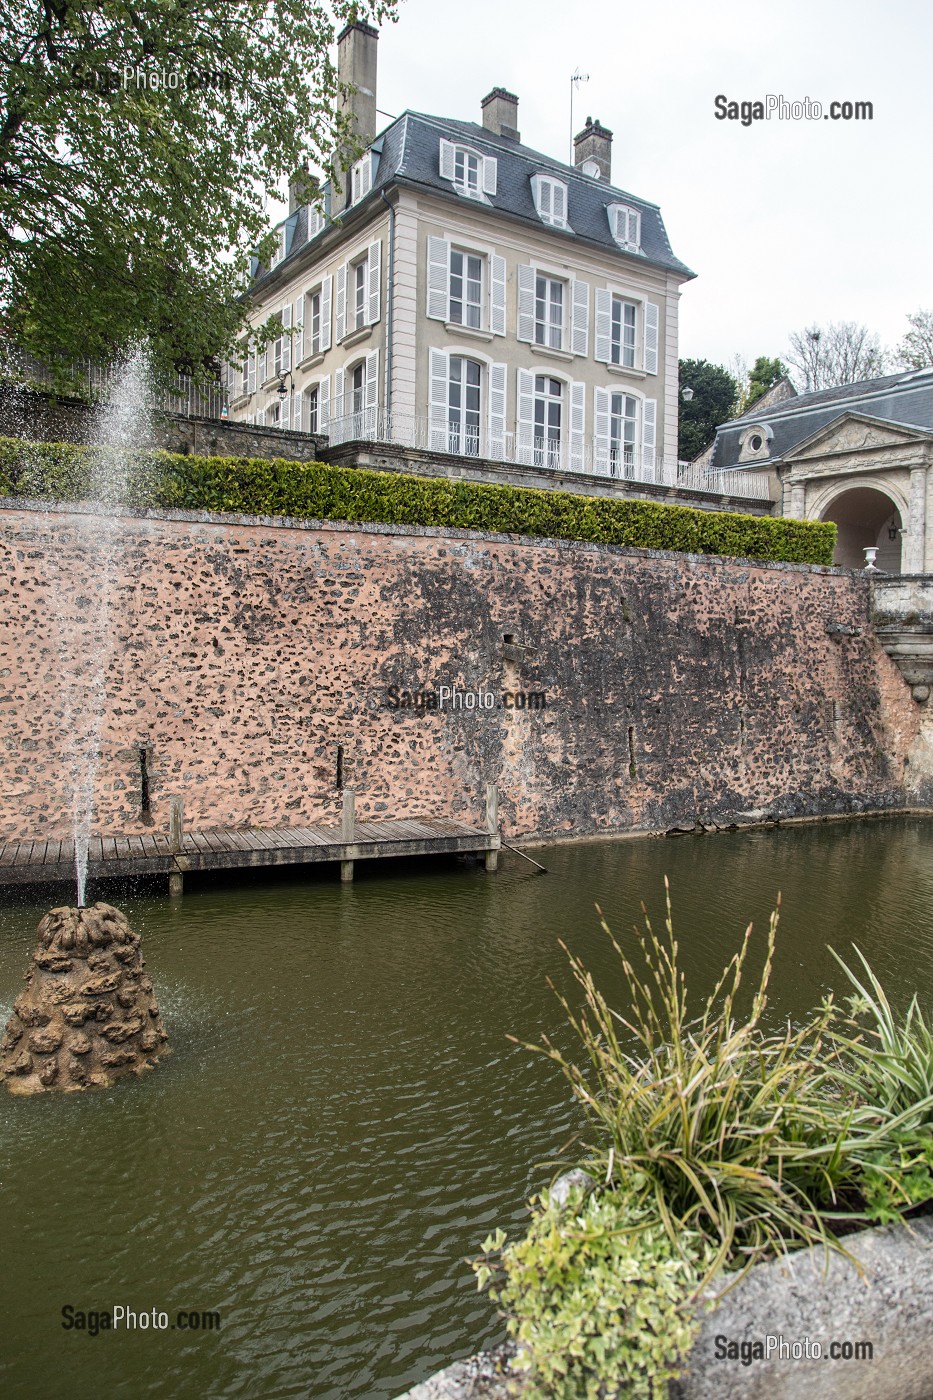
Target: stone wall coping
pixel 26 505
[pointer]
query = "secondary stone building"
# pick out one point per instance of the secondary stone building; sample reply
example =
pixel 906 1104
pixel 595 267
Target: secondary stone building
pixel 468 295
pixel 859 454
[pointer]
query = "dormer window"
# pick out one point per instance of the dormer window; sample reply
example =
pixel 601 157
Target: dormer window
pixel 550 200
pixel 472 174
pixel 279 252
pixel 361 178
pixel 626 226
pixel 316 222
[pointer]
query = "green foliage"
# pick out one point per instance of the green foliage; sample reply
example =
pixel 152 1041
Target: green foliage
pixel 715 394
pixel 763 374
pixel 718 1143
pixel 315 491
pixel 598 1300
pixel 138 146
pixel 714 1117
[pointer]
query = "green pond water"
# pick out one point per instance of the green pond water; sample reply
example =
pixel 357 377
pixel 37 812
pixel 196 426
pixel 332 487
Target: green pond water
pixel 343 1118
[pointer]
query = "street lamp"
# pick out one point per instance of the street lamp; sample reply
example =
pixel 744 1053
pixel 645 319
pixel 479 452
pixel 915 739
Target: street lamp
pixel 686 395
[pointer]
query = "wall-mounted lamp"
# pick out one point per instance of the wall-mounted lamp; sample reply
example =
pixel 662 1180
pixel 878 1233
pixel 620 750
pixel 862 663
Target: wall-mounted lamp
pixel 892 532
pixel 686 395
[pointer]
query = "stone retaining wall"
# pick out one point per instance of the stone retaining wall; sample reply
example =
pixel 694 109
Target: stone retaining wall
pixel 245 656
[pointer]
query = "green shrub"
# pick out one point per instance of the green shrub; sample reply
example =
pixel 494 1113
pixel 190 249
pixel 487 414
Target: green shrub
pixel 598 1300
pixel 311 490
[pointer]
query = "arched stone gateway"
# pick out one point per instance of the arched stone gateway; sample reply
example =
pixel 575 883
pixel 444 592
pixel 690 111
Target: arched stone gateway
pixel 865 517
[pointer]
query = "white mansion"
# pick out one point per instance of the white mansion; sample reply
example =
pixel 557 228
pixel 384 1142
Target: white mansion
pixel 468 295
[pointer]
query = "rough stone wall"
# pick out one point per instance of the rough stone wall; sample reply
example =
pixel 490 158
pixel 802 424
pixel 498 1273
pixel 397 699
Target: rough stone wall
pixel 242 653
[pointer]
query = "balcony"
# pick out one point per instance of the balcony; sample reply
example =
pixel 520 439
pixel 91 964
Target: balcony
pixel 585 458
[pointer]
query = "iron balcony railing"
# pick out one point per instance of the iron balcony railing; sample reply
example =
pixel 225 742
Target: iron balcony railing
pixel 87 380
pixel 587 457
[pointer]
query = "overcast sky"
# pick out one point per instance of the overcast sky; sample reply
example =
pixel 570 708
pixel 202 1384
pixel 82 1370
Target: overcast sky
pixel 784 222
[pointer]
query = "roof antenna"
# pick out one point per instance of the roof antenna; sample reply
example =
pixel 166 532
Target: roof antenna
pixel 575 80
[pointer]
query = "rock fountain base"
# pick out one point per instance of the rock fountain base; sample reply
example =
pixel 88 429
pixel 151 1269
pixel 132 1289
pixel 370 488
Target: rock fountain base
pixel 88 1015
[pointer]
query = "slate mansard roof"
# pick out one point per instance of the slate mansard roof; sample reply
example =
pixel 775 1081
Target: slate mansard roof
pixel 898 398
pixel 408 152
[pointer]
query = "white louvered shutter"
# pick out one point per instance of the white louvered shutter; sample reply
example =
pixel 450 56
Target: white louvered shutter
pixel 366 174
pixel 580 325
pixel 263 366
pixel 294 404
pixel 341 302
pixel 323 404
pixel 438 278
pixel 603 351
pixel 497 303
pixel 286 338
pixel 558 203
pixel 490 174
pixel 299 322
pixel 649 436
pixel 338 408
pixel 633 228
pixel 601 431
pixel 374 265
pixel 251 374
pixel 438 403
pixel 526 416
pixel 526 302
pixel 543 201
pixel 326 296
pixel 498 379
pixel 371 388
pixel 448 160
pixel 577 427
pixel 652 321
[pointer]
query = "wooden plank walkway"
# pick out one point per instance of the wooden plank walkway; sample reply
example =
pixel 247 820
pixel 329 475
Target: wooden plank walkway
pixel 117 857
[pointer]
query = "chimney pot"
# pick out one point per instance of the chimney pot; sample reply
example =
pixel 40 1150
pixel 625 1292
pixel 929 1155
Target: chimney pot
pixel 500 113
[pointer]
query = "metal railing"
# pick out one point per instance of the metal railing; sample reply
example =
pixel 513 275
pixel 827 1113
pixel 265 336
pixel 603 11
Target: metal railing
pixel 587 457
pixel 86 380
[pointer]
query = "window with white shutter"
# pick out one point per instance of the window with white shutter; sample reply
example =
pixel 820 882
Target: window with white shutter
pixel 526 303
pixel 361 178
pixel 374 273
pixel 263 366
pixel 601 430
pixel 525 416
pixel 472 174
pixel 437 401
pixel 338 408
pixel 438 278
pixel 625 224
pixel 313 330
pixel 550 197
pixel 577 427
pixel 340 299
pixel 465 301
pixel 298 315
pixel 316 222
pixel 603 349
pixel 550 295
pixel 652 323
pixel 497 305
pixel 649 438
pixel 580 318
pixel 326 297
pixel 498 379
pixel 251 382
pixel 324 404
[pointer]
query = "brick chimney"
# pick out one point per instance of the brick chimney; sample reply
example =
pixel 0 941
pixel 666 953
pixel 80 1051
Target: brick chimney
pixel 500 113
pixel 356 65
pixel 594 144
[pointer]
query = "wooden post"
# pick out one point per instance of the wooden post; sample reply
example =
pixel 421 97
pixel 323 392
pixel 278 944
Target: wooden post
pixel 176 832
pixel 492 823
pixel 347 832
pixel 176 822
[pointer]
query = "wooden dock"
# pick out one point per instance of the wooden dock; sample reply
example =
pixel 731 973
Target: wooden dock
pixel 181 852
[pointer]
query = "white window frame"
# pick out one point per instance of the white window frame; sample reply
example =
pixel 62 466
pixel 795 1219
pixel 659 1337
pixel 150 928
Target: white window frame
pixel 625 226
pixel 455 160
pixel 623 468
pixel 279 253
pixel 347 291
pixel 645 462
pixel 440 253
pixel 550 196
pixel 622 345
pixel 361 178
pixel 478 305
pixel 547 330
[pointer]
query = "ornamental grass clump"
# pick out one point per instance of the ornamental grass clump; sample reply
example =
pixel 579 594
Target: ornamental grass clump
pixel 715 1142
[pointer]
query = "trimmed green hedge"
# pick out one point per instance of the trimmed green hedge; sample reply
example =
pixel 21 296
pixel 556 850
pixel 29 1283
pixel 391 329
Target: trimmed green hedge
pixel 312 490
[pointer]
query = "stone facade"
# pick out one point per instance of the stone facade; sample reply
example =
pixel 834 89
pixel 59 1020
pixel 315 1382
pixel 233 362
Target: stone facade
pixel 242 653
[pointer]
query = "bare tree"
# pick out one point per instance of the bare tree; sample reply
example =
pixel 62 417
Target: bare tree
pixel 842 353
pixel 916 349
